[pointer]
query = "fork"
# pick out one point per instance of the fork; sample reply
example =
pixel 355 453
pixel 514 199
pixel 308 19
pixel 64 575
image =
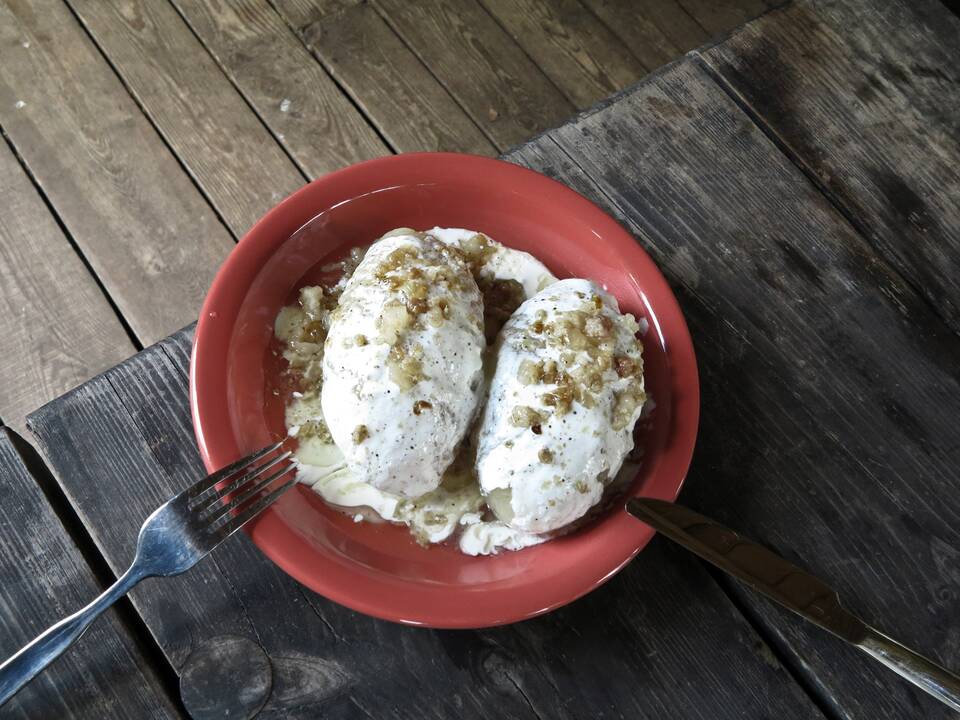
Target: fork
pixel 178 534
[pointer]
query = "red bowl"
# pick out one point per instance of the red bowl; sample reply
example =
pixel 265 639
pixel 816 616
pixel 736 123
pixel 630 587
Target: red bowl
pixel 379 569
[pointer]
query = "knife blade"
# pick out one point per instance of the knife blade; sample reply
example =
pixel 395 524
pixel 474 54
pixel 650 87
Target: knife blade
pixel 793 588
pixel 761 569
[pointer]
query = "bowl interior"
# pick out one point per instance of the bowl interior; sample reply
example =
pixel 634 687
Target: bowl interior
pixel 239 392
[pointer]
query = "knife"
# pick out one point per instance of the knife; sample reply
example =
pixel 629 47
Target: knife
pixel 795 589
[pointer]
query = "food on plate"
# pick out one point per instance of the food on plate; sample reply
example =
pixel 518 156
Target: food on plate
pixel 565 395
pixel 393 364
pixel 402 363
pixel 505 277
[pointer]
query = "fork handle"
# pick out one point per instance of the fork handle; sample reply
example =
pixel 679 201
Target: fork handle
pixel 47 647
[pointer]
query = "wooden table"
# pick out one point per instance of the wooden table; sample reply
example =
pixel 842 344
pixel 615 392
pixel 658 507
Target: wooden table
pixel 146 136
pixel 798 185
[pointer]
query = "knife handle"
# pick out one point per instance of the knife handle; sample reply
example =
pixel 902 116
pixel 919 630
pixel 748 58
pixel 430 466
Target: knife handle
pixel 924 673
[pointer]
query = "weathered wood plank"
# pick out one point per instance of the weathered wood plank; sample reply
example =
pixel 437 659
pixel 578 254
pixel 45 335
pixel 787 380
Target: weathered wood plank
pixel 43 578
pixel 410 108
pixel 308 113
pixel 219 139
pixel 187 613
pixel 139 221
pixel 864 96
pixel 179 346
pixel 722 17
pixel 617 652
pixel 830 390
pixel 569 43
pixel 498 85
pixel 56 326
pixel 656 30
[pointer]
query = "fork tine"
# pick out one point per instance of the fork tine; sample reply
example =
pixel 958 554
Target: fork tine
pixel 209 503
pixel 201 486
pixel 246 492
pixel 228 528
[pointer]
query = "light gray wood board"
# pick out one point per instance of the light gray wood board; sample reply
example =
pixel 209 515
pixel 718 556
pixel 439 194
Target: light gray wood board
pixel 864 96
pixel 580 54
pixel 657 31
pixel 222 143
pixel 147 233
pixel 406 103
pixel 290 91
pixel 56 327
pixel 44 578
pixel 501 89
pixel 617 652
pixel 829 389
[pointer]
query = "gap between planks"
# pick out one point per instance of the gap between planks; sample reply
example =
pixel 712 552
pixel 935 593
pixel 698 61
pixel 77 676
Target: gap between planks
pixel 726 584
pixel 243 96
pixel 143 111
pixel 814 179
pixel 131 335
pixel 840 222
pixel 279 137
pixel 336 81
pixel 143 226
pixel 546 105
pixel 387 80
pixel 197 182
pixel 382 14
pixel 130 619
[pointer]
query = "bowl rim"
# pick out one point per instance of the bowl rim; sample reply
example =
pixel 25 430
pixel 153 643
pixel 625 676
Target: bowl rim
pixel 270 534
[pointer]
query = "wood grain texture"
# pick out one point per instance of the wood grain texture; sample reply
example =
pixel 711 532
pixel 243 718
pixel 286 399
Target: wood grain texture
pixel 219 139
pixel 721 17
pixel 498 85
pixel 292 94
pixel 573 48
pixel 302 13
pixel 179 346
pixel 141 224
pixel 657 31
pixel 830 390
pixel 863 94
pixel 228 666
pixel 43 578
pixel 408 105
pixel 617 652
pixel 56 327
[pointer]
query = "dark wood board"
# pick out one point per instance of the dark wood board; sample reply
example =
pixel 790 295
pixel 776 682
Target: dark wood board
pixel 657 31
pixel 126 202
pixel 501 89
pixel 830 390
pixel 864 96
pixel 722 17
pixel 44 578
pixel 179 346
pixel 225 147
pixel 623 651
pixel 406 103
pixel 830 396
pixel 580 54
pixel 57 327
pixel 290 91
